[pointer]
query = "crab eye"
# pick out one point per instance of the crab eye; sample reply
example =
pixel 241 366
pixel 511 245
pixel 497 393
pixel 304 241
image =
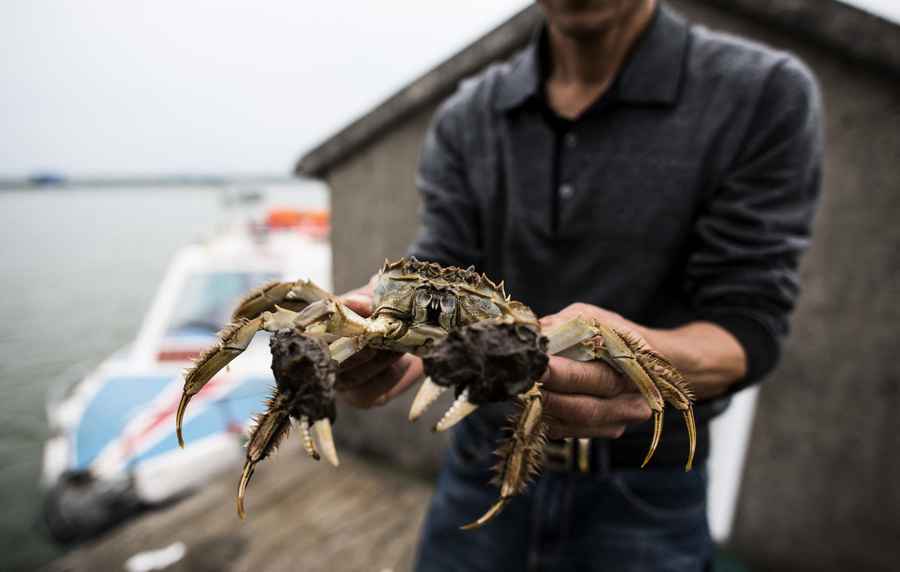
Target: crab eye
pixel 448 303
pixel 423 298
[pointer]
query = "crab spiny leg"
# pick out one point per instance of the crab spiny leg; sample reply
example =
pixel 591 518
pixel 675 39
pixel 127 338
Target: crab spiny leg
pixel 675 391
pixel 308 444
pixel 233 339
pixel 338 318
pixel 427 394
pixel 460 409
pixel 657 433
pixel 325 316
pixel 521 455
pixel 568 334
pixel 621 352
pixel 290 295
pixel 271 428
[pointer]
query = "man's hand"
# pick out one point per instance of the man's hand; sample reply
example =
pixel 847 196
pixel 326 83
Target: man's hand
pixel 590 399
pixel 374 377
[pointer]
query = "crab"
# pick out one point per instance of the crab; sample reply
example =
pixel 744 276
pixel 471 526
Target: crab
pixel 473 338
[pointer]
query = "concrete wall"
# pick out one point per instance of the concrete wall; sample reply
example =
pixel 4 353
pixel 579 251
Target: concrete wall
pixel 374 216
pixel 821 487
pixel 374 203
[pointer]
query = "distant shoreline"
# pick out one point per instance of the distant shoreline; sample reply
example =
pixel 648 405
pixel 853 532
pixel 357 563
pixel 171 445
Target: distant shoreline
pixel 54 182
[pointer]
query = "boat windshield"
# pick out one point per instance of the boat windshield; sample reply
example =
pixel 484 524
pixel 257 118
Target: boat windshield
pixel 209 298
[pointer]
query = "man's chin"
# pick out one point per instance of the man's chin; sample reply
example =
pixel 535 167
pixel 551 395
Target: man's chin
pixel 582 19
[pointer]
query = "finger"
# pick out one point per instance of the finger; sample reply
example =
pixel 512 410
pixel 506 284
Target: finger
pixel 358 359
pixel 585 411
pixel 414 373
pixel 367 357
pixel 584 378
pixel 359 303
pixel 547 322
pixel 366 394
pixel 365 372
pixel 558 431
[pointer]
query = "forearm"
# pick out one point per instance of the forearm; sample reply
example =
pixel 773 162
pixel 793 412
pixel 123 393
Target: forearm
pixel 707 354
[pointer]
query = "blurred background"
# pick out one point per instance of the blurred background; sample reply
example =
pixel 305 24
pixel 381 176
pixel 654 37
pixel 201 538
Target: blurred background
pixel 158 159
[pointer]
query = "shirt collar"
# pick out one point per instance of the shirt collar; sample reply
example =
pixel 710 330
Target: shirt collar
pixel 652 74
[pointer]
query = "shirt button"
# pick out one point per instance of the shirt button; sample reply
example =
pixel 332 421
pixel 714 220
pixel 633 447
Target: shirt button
pixel 566 190
pixel 571 140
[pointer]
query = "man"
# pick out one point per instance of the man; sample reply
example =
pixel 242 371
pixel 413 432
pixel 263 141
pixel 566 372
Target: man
pixel 663 178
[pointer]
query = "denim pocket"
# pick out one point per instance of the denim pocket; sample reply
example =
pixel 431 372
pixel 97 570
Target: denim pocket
pixel 663 494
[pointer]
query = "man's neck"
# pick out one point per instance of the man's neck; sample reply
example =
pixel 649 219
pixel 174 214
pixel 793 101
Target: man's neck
pixel 584 67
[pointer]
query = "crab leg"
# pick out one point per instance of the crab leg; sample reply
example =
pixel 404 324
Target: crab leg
pixel 326 316
pixel 233 340
pixel 675 391
pixel 620 353
pixel 271 428
pixel 656 378
pixel 520 456
pixel 291 295
pixel 569 334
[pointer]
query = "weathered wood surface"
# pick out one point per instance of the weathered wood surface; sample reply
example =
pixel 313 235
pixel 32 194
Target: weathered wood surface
pixel 301 515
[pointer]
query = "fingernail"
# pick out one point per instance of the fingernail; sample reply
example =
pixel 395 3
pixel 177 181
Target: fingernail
pixel 381 400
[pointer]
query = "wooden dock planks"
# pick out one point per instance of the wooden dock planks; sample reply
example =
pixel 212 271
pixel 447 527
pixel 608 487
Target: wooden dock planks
pixel 301 515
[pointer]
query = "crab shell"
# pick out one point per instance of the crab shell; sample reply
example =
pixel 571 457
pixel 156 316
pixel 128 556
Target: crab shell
pixel 426 293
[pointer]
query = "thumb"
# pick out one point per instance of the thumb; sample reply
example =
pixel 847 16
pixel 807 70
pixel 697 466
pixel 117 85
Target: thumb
pixel 359 303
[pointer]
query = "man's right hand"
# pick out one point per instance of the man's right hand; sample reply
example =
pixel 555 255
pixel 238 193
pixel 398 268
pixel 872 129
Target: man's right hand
pixel 590 399
pixel 373 377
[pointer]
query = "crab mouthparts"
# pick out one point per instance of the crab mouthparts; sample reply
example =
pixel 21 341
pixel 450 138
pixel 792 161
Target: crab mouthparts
pixel 433 311
pixel 435 307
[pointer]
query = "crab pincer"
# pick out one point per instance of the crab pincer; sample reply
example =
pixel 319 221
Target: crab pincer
pixel 304 376
pixel 485 362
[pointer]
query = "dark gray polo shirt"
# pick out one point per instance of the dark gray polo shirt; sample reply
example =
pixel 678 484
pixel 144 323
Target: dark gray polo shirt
pixel 687 193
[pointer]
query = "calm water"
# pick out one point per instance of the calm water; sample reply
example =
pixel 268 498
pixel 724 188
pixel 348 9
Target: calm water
pixel 79 269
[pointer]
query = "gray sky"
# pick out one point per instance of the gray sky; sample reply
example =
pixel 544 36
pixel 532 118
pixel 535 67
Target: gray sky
pixel 113 86
pixel 213 86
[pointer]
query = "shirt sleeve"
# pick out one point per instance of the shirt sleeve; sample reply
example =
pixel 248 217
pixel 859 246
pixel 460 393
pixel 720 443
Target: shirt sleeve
pixel 743 272
pixel 449 227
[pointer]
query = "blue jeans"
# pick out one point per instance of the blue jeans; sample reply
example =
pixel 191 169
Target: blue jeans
pixel 621 521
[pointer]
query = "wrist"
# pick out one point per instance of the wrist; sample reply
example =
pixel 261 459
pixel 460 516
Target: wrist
pixel 707 355
pixel 677 348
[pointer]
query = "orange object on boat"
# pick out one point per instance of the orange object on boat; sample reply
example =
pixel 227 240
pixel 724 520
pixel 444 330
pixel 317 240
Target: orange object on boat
pixel 313 222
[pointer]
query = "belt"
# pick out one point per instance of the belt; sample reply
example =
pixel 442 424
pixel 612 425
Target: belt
pixel 570 455
pixel 601 456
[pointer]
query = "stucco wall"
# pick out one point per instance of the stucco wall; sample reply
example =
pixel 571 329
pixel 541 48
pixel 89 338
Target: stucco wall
pixel 374 203
pixel 820 490
pixel 374 216
pixel 821 485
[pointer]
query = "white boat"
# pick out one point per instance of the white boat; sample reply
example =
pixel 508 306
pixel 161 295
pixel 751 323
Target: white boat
pixel 113 450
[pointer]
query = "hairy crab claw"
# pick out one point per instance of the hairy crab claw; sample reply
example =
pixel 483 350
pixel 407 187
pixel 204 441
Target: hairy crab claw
pixel 485 362
pixel 304 377
pixel 428 393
